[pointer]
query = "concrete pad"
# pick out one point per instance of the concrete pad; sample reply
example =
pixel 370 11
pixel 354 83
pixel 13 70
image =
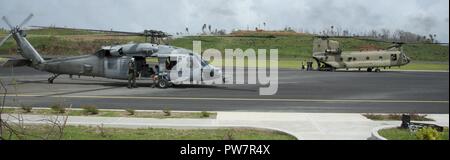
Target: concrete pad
pixel 305 126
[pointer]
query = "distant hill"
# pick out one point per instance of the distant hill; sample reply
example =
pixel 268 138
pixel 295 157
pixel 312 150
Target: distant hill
pixel 289 44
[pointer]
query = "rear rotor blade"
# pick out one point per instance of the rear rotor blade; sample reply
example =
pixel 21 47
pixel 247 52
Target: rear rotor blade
pixel 4 39
pixel 26 20
pixel 7 22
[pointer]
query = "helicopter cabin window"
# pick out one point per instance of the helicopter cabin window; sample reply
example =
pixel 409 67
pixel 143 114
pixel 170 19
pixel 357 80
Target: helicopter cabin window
pixel 381 57
pixel 394 57
pixel 367 58
pixel 349 59
pixel 341 59
pixel 354 58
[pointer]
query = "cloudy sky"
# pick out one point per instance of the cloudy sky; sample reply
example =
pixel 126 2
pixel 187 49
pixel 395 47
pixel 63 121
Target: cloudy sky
pixel 419 16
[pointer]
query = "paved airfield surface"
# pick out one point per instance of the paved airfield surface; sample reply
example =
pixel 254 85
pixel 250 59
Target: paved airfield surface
pixel 298 91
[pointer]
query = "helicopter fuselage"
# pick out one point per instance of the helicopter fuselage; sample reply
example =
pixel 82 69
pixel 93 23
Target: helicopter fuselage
pixel 362 59
pixel 329 56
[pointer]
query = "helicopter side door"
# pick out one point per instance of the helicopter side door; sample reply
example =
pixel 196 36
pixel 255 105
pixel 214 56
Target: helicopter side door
pixel 393 59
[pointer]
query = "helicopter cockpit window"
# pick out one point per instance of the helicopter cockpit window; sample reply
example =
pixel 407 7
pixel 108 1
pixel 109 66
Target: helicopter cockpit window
pixel 204 63
pixel 394 57
pixel 349 59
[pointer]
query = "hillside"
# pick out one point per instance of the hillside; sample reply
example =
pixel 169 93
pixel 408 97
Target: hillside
pixel 290 45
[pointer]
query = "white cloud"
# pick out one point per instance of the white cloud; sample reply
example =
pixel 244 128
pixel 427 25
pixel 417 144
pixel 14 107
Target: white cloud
pixel 420 16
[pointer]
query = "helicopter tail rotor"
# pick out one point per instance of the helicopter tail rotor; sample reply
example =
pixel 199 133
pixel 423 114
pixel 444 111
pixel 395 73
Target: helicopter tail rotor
pixel 10 34
pixel 26 20
pixel 25 48
pixel 14 29
pixel 5 39
pixel 7 22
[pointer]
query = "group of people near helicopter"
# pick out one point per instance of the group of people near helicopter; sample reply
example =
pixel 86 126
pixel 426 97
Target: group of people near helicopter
pixel 133 73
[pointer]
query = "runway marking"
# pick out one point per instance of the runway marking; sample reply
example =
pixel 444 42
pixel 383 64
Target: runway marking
pixel 238 99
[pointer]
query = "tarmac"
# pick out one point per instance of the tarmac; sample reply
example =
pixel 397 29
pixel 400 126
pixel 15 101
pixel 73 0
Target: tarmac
pixel 298 91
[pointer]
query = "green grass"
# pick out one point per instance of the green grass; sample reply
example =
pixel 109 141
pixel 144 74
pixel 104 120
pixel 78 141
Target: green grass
pixel 103 113
pixel 288 46
pixel 104 133
pixel 395 117
pixel 424 66
pixel 405 134
pixel 291 48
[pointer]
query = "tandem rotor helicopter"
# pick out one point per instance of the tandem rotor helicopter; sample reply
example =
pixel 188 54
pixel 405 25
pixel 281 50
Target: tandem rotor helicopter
pixel 112 61
pixel 330 56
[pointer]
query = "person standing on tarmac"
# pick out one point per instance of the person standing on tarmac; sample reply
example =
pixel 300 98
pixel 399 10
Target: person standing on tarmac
pixel 132 74
pixel 155 76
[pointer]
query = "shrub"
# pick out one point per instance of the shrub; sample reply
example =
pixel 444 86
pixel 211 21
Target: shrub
pixel 57 108
pixel 205 114
pixel 130 111
pixel 27 109
pixel 90 110
pixel 228 136
pixel 428 133
pixel 167 112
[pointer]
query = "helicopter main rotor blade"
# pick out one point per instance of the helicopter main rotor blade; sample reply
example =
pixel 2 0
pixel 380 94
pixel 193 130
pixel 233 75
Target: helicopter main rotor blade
pixel 7 22
pixel 92 30
pixel 26 20
pixel 5 39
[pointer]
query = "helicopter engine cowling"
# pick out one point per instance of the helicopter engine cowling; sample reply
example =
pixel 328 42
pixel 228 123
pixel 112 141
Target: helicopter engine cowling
pixel 133 50
pixel 116 52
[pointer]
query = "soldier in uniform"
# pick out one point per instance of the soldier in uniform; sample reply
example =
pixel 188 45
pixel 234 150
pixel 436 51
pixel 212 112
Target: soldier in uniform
pixel 155 76
pixel 132 74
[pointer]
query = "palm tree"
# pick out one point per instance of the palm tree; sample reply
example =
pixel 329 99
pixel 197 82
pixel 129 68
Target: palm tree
pixel 203 28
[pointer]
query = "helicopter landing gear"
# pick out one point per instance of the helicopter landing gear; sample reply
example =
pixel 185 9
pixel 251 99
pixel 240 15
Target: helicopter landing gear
pixel 377 70
pixel 369 69
pixel 163 83
pixel 332 69
pixel 50 80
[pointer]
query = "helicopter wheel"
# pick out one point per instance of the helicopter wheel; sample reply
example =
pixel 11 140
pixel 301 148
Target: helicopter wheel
pixel 163 83
pixel 369 69
pixel 377 70
pixel 332 69
pixel 50 80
